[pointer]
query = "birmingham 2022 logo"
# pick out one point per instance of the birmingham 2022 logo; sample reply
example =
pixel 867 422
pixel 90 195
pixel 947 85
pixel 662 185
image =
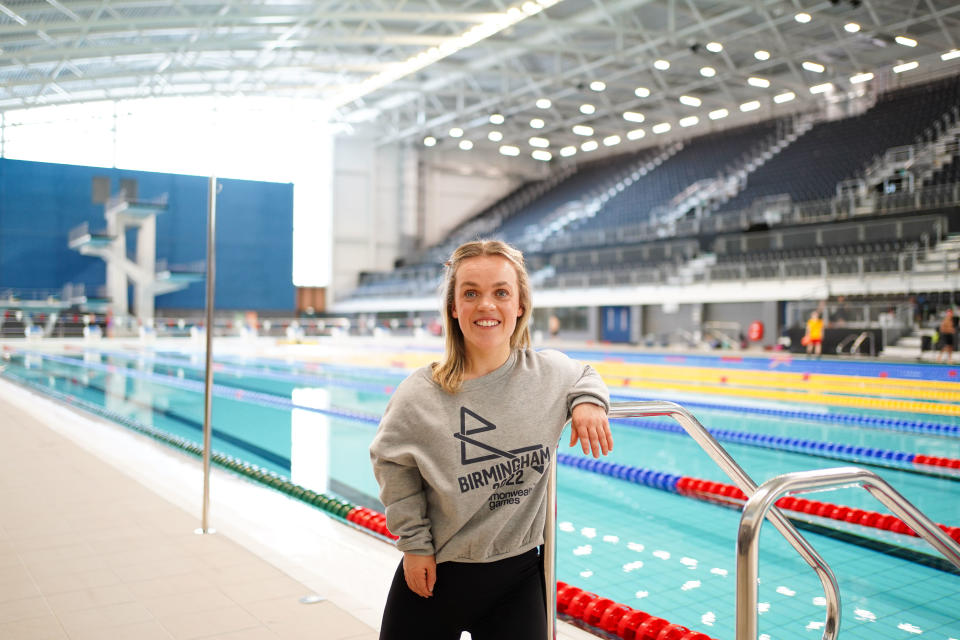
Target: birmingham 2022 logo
pixel 507 473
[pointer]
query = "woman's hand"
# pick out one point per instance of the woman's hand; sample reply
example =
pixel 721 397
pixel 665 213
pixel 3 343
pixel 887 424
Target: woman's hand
pixel 420 572
pixel 589 425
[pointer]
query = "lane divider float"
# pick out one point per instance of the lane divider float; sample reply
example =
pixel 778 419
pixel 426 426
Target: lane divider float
pixel 732 495
pixel 817 448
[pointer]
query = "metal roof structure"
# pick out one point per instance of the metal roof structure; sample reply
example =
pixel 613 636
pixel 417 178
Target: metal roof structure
pixel 439 69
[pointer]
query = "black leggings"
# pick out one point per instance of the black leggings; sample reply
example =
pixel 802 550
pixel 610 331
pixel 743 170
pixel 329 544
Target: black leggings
pixel 501 600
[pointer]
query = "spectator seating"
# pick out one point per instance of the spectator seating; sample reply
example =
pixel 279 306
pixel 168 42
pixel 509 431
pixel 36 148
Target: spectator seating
pixel 830 152
pixel 710 156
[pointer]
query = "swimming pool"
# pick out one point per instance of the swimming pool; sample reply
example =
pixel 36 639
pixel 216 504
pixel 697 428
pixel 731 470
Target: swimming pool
pixel 311 419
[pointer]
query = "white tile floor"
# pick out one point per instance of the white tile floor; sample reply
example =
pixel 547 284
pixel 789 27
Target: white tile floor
pixel 97 541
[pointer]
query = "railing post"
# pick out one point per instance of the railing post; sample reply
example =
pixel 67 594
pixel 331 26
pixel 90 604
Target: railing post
pixel 760 504
pixel 550 548
pixel 208 375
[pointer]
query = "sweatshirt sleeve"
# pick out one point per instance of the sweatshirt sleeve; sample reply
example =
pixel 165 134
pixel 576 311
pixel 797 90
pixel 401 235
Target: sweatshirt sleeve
pixel 401 485
pixel 589 387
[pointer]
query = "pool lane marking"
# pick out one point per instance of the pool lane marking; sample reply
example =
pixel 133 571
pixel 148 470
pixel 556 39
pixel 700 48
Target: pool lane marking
pixel 823 383
pixel 267 399
pixel 803 397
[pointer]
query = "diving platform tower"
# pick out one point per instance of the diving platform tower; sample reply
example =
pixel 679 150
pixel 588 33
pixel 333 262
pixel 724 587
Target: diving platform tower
pixel 142 272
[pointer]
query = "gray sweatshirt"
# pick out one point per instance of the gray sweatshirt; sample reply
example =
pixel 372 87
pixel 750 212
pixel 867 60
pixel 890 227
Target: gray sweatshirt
pixel 463 476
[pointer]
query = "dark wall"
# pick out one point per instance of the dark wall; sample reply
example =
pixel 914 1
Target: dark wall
pixel 41 202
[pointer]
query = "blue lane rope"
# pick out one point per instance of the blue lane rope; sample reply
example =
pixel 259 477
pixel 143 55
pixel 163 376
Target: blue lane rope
pixel 637 475
pixel 820 449
pixel 328 378
pixel 221 391
pixel 876 422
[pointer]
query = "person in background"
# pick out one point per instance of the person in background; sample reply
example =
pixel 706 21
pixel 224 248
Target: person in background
pixel 948 336
pixel 813 337
pixel 840 314
pixel 462 456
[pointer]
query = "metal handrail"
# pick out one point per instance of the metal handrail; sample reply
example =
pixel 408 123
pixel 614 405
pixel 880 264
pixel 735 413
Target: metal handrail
pixel 733 470
pixel 766 494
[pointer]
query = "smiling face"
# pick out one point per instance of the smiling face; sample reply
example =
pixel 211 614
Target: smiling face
pixel 486 305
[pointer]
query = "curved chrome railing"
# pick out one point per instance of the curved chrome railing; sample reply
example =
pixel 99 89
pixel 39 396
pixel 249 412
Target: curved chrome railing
pixel 760 503
pixel 735 472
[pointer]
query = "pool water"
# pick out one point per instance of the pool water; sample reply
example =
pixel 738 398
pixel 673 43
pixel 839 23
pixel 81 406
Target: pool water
pixel 664 553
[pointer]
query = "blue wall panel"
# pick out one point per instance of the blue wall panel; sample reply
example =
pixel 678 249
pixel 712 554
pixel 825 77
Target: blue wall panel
pixel 41 202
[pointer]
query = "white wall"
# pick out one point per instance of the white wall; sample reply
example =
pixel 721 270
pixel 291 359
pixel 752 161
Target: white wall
pixel 459 184
pixel 368 216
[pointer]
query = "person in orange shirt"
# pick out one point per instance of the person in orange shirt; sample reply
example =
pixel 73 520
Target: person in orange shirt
pixel 813 338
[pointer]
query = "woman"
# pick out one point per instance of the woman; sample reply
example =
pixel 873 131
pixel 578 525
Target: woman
pixel 462 456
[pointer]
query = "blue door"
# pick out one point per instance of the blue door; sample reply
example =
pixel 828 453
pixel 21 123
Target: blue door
pixel 616 324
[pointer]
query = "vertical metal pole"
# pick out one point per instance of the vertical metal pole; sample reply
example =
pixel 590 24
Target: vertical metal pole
pixel 550 549
pixel 208 384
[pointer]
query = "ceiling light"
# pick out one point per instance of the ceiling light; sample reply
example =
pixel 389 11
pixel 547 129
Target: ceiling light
pixel 950 55
pixel 851 27
pixel 587 109
pixel 633 116
pixel 494 136
pixel 609 141
pixel 787 96
pixel 542 143
pixel 689 121
pixel 763 83
pixel 662 65
pixel 643 92
pixel 816 67
pixel 582 130
pixel 456 132
pixel 761 54
pixel 663 127
pixel 429 141
pixel 496 118
pixel 753 105
pixel 861 77
pixel 589 145
pixel 466 145
pixel 597 85
pixel 547 3
pixel 905 41
pixel 566 152
pixel 906 66
pixel 635 134
pixel 543 156
pixel 708 72
pixel 714 47
pixel 537 123
pixel 718 113
pixel 690 101
pixel 509 150
pixel 821 88
pixel 802 18
pixel 544 103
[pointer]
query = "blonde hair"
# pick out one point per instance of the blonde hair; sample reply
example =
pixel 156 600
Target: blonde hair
pixel 449 372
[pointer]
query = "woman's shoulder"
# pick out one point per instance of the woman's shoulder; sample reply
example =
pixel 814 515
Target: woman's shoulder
pixel 545 359
pixel 418 380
